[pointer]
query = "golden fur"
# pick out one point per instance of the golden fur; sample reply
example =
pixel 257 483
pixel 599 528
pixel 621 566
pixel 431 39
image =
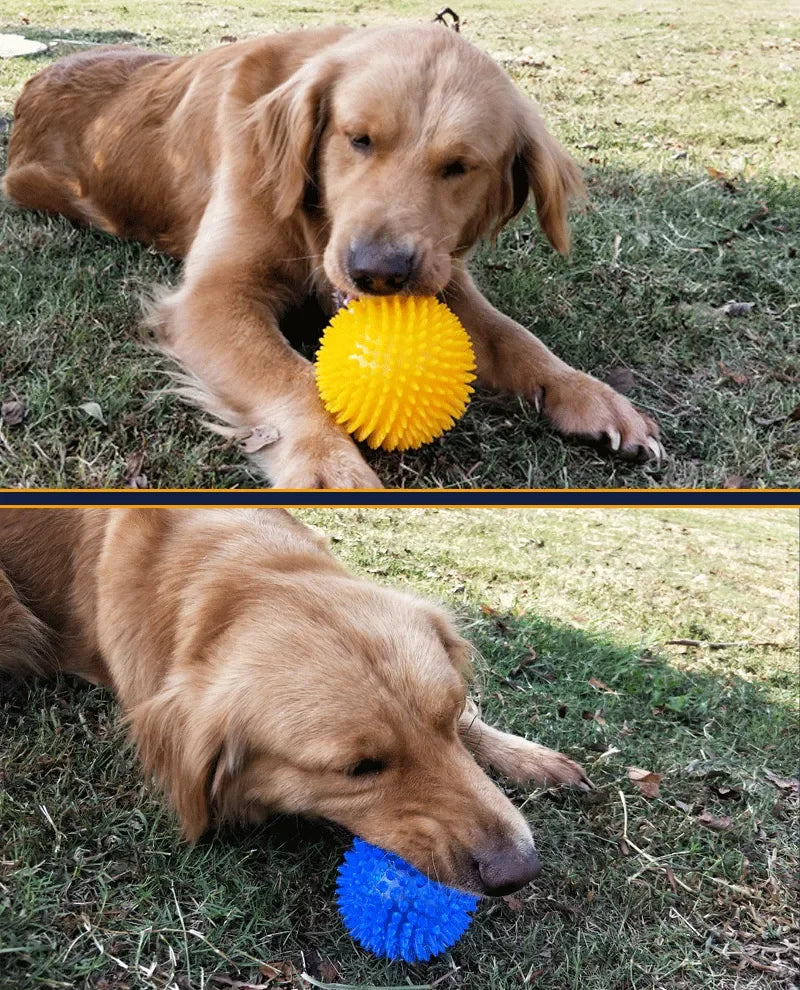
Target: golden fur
pixel 310 163
pixel 256 674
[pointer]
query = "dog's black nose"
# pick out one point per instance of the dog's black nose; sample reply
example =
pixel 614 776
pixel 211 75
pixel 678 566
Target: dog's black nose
pixel 504 870
pixel 378 268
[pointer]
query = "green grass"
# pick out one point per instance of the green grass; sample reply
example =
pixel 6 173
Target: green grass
pixel 97 891
pixel 646 98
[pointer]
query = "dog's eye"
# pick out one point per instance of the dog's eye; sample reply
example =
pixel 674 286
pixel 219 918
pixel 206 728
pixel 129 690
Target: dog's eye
pixel 361 141
pixel 364 767
pixel 452 169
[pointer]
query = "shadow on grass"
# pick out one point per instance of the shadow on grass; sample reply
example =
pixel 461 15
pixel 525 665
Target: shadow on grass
pixel 723 387
pixel 62 39
pixel 105 858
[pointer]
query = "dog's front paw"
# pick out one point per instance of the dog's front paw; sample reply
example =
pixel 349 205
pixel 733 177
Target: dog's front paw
pixel 582 406
pixel 330 461
pixel 546 767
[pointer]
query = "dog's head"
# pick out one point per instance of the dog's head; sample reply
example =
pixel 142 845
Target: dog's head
pixel 410 145
pixel 322 695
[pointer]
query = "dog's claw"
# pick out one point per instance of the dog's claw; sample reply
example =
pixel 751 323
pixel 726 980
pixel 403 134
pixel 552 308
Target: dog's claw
pixel 614 438
pixel 538 399
pixel 656 449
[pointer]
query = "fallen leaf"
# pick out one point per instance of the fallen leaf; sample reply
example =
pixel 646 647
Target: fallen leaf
pixel 279 974
pixel 593 717
pixel 93 409
pixel 259 438
pixel 688 808
pixel 513 902
pixel 734 308
pixel 645 780
pixel 737 481
pixel 620 379
pixel 133 475
pixel 524 662
pixel 321 967
pixel 12 412
pixel 794 415
pixel 725 792
pixel 228 39
pixel 712 822
pixel 722 178
pixel 735 376
pixel 783 783
pixel 595 683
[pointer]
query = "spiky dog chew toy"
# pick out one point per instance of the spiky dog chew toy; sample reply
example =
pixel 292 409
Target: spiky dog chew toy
pixel 394 910
pixel 395 370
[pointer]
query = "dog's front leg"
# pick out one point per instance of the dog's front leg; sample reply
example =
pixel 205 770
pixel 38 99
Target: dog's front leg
pixel 511 359
pixel 516 758
pixel 221 326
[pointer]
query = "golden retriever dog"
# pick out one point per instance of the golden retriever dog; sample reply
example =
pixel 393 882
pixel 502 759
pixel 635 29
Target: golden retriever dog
pixel 258 676
pixel 331 163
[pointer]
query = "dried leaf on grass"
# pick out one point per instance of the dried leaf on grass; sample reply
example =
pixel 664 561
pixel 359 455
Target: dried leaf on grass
pixel 713 822
pixel 12 412
pixel 93 410
pixel 645 780
pixel 722 178
pixel 522 663
pixel 596 683
pixel 282 973
pixel 321 967
pixel 737 481
pixel 133 475
pixel 590 716
pixel 735 376
pixel 783 783
pixel 259 438
pixel 734 308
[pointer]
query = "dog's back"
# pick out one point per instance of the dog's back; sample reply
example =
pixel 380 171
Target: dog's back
pixel 53 117
pixel 47 596
pixel 128 141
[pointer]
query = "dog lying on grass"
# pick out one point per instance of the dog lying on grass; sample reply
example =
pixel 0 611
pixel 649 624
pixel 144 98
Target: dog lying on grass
pixel 330 163
pixel 258 676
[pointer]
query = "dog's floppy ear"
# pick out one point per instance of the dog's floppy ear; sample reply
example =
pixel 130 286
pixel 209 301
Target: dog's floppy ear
pixel 188 752
pixel 539 165
pixel 459 650
pixel 286 125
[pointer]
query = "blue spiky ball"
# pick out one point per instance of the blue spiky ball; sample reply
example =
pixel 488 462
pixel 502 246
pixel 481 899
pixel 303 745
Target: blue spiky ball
pixel 394 910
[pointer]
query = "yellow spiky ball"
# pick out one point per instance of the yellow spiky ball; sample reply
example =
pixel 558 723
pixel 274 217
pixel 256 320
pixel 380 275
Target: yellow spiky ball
pixel 395 370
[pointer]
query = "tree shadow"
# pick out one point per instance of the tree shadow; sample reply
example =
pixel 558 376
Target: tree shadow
pixel 713 739
pixel 61 40
pixel 723 387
